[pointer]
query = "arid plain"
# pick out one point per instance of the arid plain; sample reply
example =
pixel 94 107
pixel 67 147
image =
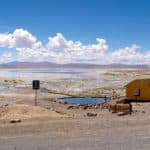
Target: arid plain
pixel 52 122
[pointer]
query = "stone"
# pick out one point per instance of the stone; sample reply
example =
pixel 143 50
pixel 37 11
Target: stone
pixel 15 121
pixel 60 112
pixel 122 101
pixel 65 103
pixel 70 107
pixel 122 113
pixel 85 107
pixel 91 114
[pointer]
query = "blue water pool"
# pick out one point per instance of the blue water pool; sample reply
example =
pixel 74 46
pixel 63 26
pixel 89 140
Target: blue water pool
pixel 83 100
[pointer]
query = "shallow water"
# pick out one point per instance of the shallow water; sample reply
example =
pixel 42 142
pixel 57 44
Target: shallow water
pixel 84 100
pixel 41 73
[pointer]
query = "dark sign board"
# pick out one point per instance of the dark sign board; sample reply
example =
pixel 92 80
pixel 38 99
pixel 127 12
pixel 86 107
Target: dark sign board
pixel 35 84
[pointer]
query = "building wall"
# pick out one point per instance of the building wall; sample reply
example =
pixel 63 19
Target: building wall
pixel 143 85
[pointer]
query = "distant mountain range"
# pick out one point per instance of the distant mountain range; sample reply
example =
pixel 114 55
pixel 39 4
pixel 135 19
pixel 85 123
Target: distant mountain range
pixel 16 64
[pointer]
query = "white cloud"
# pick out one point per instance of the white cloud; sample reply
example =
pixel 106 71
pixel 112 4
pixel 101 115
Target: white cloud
pixel 59 49
pixel 19 38
pixel 6 40
pixel 130 55
pixel 6 57
pixel 76 51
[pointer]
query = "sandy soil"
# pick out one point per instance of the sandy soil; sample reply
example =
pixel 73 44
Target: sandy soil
pixel 108 132
pixel 24 111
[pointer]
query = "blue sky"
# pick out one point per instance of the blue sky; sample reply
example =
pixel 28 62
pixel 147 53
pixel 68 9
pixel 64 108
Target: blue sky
pixel 123 24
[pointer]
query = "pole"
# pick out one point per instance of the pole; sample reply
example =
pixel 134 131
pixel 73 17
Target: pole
pixel 35 102
pixel 130 108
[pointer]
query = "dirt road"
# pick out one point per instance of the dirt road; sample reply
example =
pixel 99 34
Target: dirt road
pixel 72 134
pixel 129 139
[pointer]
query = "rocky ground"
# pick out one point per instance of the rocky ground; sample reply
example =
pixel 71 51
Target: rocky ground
pixel 105 131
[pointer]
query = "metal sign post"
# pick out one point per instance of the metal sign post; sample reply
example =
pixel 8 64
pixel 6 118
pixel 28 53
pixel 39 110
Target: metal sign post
pixel 35 101
pixel 36 87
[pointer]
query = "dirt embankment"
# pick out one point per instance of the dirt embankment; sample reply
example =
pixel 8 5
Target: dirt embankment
pixel 24 111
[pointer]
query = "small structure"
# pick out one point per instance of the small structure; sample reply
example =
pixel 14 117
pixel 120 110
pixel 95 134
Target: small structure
pixel 138 91
pixel 124 108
